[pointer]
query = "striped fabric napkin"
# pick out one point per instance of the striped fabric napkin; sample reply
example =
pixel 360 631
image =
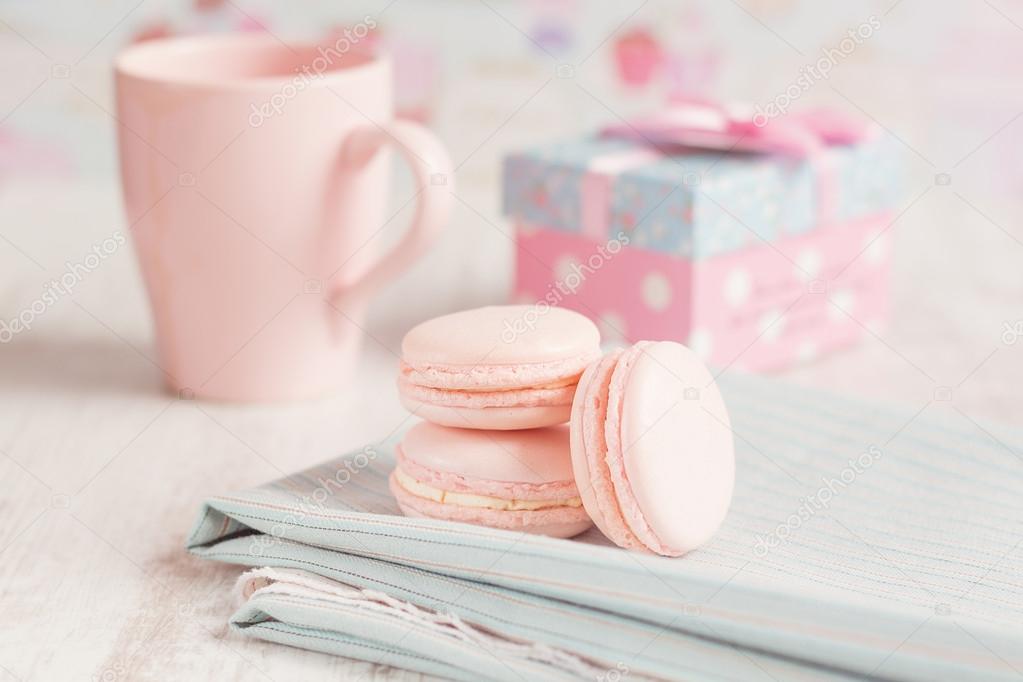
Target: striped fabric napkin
pixel 862 541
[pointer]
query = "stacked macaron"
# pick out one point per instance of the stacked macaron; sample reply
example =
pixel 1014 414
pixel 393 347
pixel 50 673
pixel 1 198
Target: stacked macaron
pixel 500 367
pixel 516 480
pixel 494 384
pixel 648 455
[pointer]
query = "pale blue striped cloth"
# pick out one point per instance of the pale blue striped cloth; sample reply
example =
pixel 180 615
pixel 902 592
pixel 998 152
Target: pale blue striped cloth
pixel 863 541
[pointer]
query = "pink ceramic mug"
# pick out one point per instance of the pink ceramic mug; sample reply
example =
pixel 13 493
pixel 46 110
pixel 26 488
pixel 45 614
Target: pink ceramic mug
pixel 255 191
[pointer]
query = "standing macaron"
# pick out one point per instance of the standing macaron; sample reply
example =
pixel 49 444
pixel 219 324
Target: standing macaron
pixel 516 480
pixel 499 367
pixel 652 448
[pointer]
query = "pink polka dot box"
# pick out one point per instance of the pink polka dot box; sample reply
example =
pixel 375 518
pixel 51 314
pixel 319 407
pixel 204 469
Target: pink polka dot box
pixel 729 253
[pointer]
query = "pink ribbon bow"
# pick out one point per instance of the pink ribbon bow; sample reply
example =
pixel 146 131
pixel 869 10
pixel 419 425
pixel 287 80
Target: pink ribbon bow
pixel 806 134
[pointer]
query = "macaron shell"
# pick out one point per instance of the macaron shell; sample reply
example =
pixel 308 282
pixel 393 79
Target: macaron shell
pixel 559 522
pixel 536 456
pixel 518 397
pixel 677 447
pixel 496 418
pixel 615 454
pixel 507 490
pixel 589 449
pixel 501 335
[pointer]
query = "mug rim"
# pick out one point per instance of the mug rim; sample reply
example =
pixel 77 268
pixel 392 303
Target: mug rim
pixel 130 61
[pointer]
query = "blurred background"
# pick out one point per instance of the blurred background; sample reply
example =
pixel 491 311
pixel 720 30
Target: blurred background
pixel 495 76
pixel 940 80
pixel 491 76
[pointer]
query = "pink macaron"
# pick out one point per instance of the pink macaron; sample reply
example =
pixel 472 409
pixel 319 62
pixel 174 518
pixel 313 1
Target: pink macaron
pixel 652 448
pixel 499 367
pixel 515 480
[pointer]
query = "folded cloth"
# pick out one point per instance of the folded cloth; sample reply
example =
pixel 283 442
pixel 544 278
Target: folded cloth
pixel 863 540
pixel 276 599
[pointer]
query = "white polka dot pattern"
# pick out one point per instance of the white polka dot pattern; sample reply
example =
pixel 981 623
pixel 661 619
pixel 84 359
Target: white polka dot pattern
pixel 737 287
pixel 771 325
pixel 701 342
pixel 656 291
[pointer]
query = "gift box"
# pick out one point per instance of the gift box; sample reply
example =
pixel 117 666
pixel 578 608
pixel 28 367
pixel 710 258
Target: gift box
pixel 755 255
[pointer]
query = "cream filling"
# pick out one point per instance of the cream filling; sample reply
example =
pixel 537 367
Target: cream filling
pixel 469 500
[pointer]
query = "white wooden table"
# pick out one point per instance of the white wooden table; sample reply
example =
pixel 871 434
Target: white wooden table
pixel 102 471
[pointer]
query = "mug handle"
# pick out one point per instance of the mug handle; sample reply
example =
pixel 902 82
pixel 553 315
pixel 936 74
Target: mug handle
pixel 428 160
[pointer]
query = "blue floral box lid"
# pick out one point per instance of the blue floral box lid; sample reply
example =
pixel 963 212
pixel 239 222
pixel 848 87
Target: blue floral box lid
pixel 696 204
